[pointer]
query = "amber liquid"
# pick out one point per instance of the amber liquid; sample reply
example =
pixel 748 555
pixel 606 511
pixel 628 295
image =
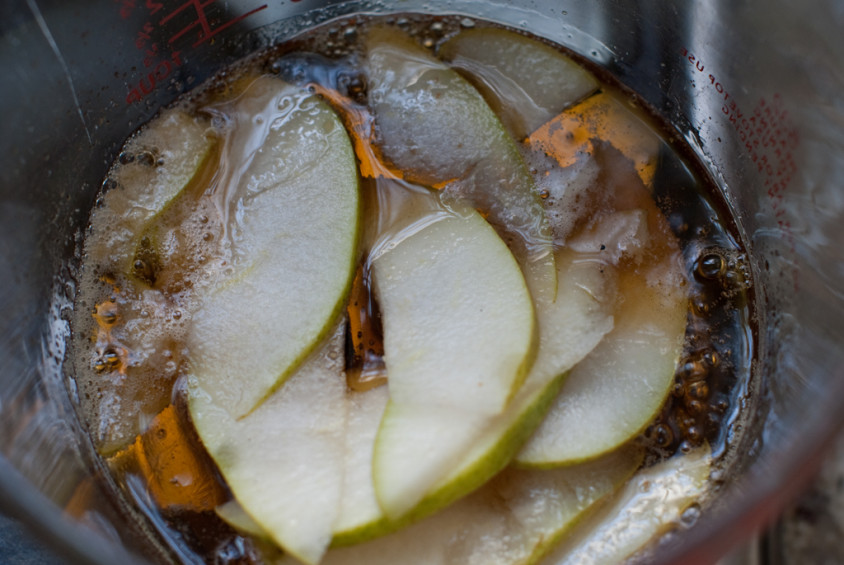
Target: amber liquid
pixel 166 465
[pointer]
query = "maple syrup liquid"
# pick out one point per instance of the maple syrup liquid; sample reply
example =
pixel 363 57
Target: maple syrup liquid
pixel 128 354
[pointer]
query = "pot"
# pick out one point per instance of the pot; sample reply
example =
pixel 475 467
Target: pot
pixel 754 88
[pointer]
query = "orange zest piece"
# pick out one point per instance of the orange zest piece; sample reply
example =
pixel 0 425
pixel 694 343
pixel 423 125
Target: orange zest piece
pixel 365 368
pixel 176 471
pixel 441 185
pixel 82 499
pixel 600 117
pixel 359 123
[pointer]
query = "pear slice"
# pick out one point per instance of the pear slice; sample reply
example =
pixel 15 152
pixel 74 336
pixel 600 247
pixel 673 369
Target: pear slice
pixel 613 394
pixel 358 507
pixel 475 446
pixel 653 501
pixel 569 328
pixel 291 217
pixel 170 248
pixel 158 163
pixel 447 293
pixel 284 461
pixel 437 129
pixel 514 519
pixel 458 341
pixel 525 81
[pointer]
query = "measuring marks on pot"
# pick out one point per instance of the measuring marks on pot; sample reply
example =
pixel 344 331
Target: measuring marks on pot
pixel 767 136
pixel 169 25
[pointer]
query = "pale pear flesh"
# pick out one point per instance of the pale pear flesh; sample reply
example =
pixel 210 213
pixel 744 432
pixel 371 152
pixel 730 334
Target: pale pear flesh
pixel 359 507
pixel 164 160
pixel 569 328
pixel 284 462
pixel 615 392
pixel 438 130
pixel 524 80
pixel 292 260
pixel 638 513
pixel 458 340
pixel 292 263
pixel 515 518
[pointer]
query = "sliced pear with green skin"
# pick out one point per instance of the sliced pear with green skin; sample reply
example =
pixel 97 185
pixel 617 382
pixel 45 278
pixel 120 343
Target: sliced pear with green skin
pixel 446 293
pixel 293 249
pixel 651 502
pixel 613 394
pixel 284 461
pixel 458 340
pixel 550 523
pixel 569 329
pixel 525 81
pixel 514 519
pixel 438 130
pixel 359 508
pixel 417 446
pixel 165 157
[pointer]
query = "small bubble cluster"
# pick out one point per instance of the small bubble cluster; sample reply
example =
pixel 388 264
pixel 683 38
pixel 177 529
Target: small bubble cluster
pixel 699 398
pixel 108 361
